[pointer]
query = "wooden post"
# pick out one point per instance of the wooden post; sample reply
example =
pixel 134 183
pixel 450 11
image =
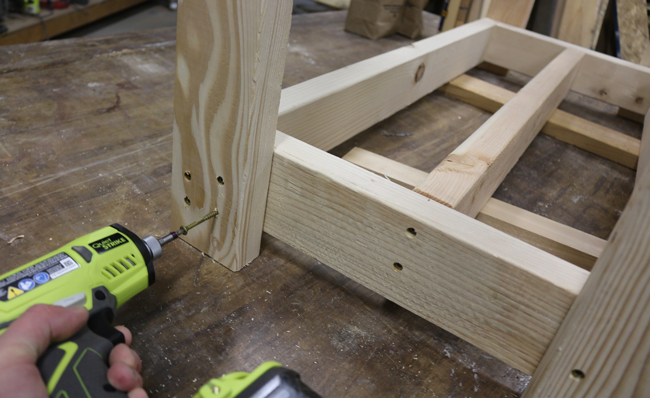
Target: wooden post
pixel 229 67
pixel 603 346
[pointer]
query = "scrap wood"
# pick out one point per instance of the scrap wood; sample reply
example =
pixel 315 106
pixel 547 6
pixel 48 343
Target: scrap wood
pixel 15 238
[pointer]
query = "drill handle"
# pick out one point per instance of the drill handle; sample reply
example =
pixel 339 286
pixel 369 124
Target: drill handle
pixel 78 367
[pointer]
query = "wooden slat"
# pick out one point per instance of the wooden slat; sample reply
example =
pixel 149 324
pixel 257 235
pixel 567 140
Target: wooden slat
pixel 331 108
pixel 28 29
pixel 451 15
pixel 581 22
pixel 455 271
pixel 229 64
pixel 644 158
pixel 485 8
pixel 564 126
pixel 606 78
pixel 474 11
pixel 340 4
pixel 567 243
pixel 603 346
pixel 468 177
pixel 512 12
pixel 463 12
pixel 633 30
pixel 558 12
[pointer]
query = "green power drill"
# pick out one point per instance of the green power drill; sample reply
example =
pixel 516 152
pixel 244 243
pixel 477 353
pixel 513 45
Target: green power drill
pixel 101 271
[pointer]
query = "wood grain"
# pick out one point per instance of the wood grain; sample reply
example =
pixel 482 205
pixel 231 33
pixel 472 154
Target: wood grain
pixel 229 65
pixel 468 177
pixel 512 12
pixel 357 94
pixel 581 22
pixel 452 270
pixel 603 346
pixel 560 240
pixel 605 78
pixel 590 136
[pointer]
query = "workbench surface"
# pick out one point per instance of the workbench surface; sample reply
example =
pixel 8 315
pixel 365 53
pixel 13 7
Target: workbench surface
pixel 85 141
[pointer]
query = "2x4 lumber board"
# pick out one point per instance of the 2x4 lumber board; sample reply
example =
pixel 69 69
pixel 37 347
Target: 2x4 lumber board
pixel 633 116
pixel 485 8
pixel 633 29
pixel 567 243
pixel 644 158
pixel 581 22
pixel 450 269
pixel 340 4
pixel 564 126
pixel 468 177
pixel 451 15
pixel 328 110
pixel 605 78
pixel 27 29
pixel 229 65
pixel 603 346
pixel 512 12
pixel 475 11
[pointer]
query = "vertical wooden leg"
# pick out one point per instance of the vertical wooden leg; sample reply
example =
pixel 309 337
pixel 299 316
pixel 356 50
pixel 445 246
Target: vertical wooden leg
pixel 229 67
pixel 603 346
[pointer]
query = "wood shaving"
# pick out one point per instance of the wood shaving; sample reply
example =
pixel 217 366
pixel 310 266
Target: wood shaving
pixel 15 237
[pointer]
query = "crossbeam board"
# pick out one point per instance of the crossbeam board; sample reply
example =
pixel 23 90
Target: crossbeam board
pixel 468 177
pixel 328 110
pixel 567 243
pixel 456 272
pixel 605 78
pixel 564 126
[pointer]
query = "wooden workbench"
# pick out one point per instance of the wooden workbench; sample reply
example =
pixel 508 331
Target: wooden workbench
pixel 85 141
pixel 25 28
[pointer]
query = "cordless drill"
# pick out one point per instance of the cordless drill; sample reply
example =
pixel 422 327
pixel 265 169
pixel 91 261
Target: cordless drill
pixel 101 271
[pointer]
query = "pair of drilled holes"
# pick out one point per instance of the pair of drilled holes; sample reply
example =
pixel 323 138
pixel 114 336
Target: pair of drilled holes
pixel 410 233
pixel 188 176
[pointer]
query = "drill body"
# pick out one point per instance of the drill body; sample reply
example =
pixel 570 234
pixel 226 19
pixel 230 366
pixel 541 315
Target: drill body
pixel 101 271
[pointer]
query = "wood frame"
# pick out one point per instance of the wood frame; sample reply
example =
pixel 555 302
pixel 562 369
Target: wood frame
pixel 458 272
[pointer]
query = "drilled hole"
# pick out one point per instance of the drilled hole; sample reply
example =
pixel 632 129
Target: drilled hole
pixel 99 295
pixel 188 175
pixel 398 267
pixel 410 232
pixel 577 374
pixel 187 201
pixel 419 73
pixel 220 180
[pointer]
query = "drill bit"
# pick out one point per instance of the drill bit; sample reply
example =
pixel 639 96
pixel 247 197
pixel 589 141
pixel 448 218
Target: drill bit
pixel 183 230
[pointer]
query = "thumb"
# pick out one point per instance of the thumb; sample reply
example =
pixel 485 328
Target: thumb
pixel 30 335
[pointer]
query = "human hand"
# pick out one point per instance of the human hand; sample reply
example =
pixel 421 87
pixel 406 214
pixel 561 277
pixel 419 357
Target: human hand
pixel 30 335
